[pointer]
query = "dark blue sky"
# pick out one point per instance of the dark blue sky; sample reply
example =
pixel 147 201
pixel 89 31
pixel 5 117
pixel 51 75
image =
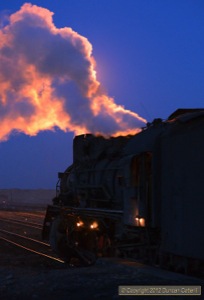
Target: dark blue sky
pixel 149 56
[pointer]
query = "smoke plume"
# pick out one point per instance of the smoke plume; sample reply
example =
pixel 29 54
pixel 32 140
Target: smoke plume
pixel 48 80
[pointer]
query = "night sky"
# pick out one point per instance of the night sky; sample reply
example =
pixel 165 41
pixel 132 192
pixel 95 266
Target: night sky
pixel 149 58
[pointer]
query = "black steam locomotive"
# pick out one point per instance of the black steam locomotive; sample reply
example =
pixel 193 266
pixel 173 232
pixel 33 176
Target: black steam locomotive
pixel 138 196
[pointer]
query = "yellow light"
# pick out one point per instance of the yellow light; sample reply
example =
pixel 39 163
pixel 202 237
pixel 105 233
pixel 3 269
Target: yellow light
pixel 79 224
pixel 94 225
pixel 140 221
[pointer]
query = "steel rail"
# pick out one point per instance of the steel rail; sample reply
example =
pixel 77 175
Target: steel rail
pixel 25 237
pixel 38 214
pixel 28 224
pixel 23 221
pixel 32 250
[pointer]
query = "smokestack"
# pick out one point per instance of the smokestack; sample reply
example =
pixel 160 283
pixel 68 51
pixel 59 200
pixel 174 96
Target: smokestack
pixel 48 80
pixel 87 147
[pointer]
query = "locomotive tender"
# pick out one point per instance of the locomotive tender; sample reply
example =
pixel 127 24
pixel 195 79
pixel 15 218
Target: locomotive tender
pixel 138 196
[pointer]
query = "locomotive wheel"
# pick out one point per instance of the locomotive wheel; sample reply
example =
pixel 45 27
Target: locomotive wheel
pixel 66 246
pixel 85 257
pixel 83 245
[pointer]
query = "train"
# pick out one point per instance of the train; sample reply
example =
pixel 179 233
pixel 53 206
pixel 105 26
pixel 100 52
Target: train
pixel 137 196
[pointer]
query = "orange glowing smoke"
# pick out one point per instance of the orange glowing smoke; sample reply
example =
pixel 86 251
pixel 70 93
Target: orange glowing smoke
pixel 48 80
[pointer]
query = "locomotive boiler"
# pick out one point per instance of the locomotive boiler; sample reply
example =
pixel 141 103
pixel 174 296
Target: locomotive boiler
pixel 135 196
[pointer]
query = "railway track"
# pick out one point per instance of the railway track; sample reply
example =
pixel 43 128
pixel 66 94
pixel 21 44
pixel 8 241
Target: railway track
pixel 29 267
pixel 28 244
pixel 24 231
pixel 24 215
pixel 26 235
pixel 23 223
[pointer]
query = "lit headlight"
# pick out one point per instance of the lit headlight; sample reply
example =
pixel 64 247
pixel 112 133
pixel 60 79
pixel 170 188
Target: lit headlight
pixel 79 223
pixel 94 225
pixel 140 221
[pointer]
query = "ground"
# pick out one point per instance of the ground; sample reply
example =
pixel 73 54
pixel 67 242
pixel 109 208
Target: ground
pixel 24 275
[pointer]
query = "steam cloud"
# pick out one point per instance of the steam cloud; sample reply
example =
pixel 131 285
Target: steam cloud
pixel 48 80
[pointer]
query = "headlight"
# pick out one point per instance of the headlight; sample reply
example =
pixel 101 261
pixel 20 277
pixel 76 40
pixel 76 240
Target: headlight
pixel 79 224
pixel 94 225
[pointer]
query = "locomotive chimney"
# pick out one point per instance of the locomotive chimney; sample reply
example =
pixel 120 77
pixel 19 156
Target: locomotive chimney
pixel 81 147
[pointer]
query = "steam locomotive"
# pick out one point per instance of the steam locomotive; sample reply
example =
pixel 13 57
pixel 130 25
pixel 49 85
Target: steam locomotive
pixel 138 196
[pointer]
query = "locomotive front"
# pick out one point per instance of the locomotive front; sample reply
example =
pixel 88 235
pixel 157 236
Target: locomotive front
pixel 100 200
